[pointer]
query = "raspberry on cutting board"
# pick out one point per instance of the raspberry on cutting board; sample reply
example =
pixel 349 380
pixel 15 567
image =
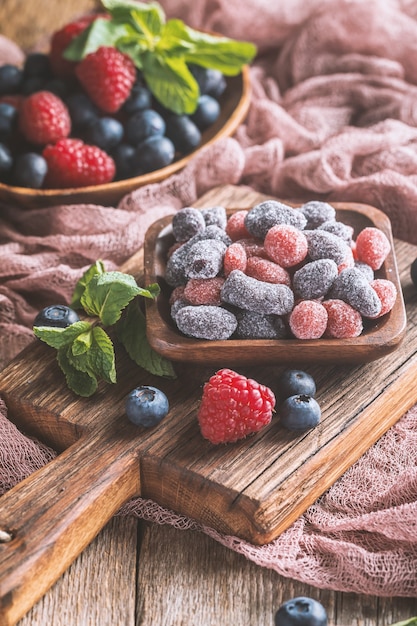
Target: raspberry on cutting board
pixel 233 407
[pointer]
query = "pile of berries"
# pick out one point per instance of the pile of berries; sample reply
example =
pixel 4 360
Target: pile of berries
pixel 275 272
pixel 72 124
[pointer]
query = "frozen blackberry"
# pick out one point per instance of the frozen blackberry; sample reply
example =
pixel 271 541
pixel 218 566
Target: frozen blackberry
pixel 270 213
pixel 205 259
pixel 186 223
pixel 325 245
pixel 253 325
pixel 354 288
pixel 206 322
pixel 250 294
pixel 314 279
pixel 317 212
pixel 215 216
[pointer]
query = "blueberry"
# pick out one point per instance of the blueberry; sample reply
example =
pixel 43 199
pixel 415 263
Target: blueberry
pixel 57 316
pixel 58 87
pixel 32 84
pixel 296 382
pixel 123 156
pixel 104 132
pixel 183 133
pixel 140 99
pixel 8 115
pixel 81 109
pixel 153 154
pixel 300 412
pixel 37 64
pixel 413 272
pixel 301 611
pixel 30 170
pixel 210 81
pixel 144 124
pixel 6 159
pixel 10 79
pixel 146 406
pixel 207 112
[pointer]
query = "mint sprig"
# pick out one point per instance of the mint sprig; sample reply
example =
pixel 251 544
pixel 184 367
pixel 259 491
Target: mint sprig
pixel 85 351
pixel 162 49
pixel 408 622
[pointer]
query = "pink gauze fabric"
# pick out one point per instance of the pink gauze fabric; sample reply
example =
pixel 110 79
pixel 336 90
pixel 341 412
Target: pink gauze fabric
pixel 333 115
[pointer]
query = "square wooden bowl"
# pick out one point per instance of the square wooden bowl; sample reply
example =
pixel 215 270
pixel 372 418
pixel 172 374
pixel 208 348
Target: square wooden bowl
pixel 380 337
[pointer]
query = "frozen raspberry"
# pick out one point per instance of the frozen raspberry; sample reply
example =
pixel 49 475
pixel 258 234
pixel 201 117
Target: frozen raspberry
pixel 186 223
pixel 344 231
pixel 254 295
pixel 233 407
pixel 317 212
pixel 253 325
pixel 235 226
pixel 386 292
pixel 206 322
pixel 267 271
pixel 372 247
pixel 344 322
pixel 314 279
pixel 235 258
pixel 286 245
pixel 325 245
pixel 107 76
pixel 215 216
pixel 44 118
pixel 352 286
pixel 204 290
pixel 271 213
pixel 71 163
pixel 205 259
pixel 308 320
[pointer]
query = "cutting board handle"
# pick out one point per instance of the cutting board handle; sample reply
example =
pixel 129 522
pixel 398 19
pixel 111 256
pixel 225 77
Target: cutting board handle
pixel 55 513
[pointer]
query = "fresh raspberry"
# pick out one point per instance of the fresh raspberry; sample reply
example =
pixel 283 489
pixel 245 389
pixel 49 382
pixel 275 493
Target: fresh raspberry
pixel 60 41
pixel 44 118
pixel 107 76
pixel 233 406
pixel 372 247
pixel 72 163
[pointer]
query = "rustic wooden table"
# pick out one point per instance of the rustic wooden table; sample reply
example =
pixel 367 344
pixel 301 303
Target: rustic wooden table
pixel 137 572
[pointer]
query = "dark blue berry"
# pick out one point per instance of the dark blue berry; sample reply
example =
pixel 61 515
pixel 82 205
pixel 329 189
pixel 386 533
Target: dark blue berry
pixel 57 316
pixel 153 154
pixel 10 79
pixel 144 124
pixel 8 116
pixel 81 109
pixel 300 412
pixel 32 84
pixel 123 156
pixel 6 159
pixel 301 611
pixel 30 170
pixel 58 87
pixel 413 272
pixel 37 64
pixel 104 132
pixel 296 382
pixel 210 81
pixel 140 99
pixel 183 133
pixel 146 406
pixel 207 112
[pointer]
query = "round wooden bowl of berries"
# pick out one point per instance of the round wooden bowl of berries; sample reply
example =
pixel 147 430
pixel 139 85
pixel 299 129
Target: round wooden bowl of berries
pixel 274 284
pixel 121 99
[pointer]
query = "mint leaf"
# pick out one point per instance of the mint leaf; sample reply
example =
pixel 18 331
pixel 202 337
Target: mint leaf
pixel 106 295
pixel 82 343
pixel 96 268
pixel 101 32
pixel 101 357
pixel 408 622
pixel 152 291
pixel 61 337
pixel 131 332
pixel 80 382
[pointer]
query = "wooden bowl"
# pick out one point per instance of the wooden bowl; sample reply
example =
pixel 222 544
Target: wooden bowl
pixel 234 104
pixel 380 337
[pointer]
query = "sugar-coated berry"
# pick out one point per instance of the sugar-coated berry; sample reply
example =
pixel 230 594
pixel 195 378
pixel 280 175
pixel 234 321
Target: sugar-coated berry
pixel 204 291
pixel 253 247
pixel 372 247
pixel 308 319
pixel 235 258
pixel 146 406
pixel 296 382
pixel 317 212
pixel 271 213
pixel 235 226
pixel 301 611
pixel 57 316
pixel 253 325
pixel 286 245
pixel 343 321
pixel 186 223
pixel 205 259
pixel 366 270
pixel 386 292
pixel 215 216
pixel 250 294
pixel 352 286
pixel 299 412
pixel 206 322
pixel 325 245
pixel 313 280
pixel 267 271
pixel 344 231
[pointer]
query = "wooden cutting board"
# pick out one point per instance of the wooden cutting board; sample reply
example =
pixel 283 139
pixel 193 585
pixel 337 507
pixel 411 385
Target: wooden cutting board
pixel 253 489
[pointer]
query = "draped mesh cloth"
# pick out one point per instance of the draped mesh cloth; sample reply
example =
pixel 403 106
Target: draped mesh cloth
pixel 333 115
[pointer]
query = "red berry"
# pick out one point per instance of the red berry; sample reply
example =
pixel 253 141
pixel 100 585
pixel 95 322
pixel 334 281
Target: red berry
pixel 44 118
pixel 204 290
pixel 235 226
pixel 267 271
pixel 233 406
pixel 71 163
pixel 343 322
pixel 386 292
pixel 286 245
pixel 372 247
pixel 235 258
pixel 308 320
pixel 107 76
